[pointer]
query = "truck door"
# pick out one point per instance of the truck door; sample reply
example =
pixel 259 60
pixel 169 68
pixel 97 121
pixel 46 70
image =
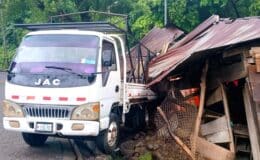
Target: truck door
pixel 111 81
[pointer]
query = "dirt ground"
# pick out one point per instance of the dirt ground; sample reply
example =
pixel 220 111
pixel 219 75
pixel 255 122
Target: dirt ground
pixel 149 142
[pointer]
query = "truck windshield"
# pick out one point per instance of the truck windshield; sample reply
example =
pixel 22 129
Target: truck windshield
pixel 76 52
pixel 66 54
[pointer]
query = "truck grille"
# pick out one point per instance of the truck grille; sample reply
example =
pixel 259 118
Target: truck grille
pixel 48 111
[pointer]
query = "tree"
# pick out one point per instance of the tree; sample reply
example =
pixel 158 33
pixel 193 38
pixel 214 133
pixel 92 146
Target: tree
pixel 143 14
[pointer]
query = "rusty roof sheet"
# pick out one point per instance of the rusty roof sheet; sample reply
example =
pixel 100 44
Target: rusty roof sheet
pixel 211 34
pixel 155 39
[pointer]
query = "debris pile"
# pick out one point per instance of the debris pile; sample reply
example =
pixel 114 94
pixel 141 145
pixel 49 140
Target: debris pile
pixel 163 142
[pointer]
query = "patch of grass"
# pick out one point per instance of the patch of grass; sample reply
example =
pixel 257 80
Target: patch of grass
pixel 146 156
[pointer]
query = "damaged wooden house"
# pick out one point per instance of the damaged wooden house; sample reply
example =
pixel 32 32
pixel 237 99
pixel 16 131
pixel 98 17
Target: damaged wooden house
pixel 210 79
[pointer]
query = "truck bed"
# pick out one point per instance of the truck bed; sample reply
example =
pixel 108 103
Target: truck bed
pixel 138 93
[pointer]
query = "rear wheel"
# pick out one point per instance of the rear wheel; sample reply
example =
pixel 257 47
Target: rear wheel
pixel 135 119
pixel 107 141
pixel 34 140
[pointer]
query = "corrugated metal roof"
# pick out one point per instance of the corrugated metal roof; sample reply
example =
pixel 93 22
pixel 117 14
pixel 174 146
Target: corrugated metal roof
pixel 154 41
pixel 157 37
pixel 211 34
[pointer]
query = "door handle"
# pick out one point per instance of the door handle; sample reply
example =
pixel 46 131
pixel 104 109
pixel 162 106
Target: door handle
pixel 117 88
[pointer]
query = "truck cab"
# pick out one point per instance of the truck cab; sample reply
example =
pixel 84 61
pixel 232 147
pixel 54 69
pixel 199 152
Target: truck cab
pixel 70 82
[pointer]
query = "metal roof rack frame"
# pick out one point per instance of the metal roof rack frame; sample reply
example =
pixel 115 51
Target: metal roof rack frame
pixel 103 27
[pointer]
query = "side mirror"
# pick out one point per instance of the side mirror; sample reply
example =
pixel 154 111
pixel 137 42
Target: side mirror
pixel 107 58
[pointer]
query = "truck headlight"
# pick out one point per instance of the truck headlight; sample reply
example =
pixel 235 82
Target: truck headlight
pixel 89 111
pixel 11 109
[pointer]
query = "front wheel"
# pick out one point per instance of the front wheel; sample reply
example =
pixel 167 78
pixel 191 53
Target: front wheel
pixel 34 140
pixel 107 141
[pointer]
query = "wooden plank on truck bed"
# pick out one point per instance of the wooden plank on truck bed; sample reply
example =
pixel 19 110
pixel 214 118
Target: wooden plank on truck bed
pixel 137 91
pixel 213 152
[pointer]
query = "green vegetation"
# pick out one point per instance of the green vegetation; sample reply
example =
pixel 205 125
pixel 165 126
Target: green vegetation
pixel 146 156
pixel 5 58
pixel 143 14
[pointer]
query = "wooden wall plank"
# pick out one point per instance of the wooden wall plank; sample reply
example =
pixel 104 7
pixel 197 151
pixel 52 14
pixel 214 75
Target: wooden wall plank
pixel 253 127
pixel 219 137
pixel 214 126
pixel 254 50
pixel 214 97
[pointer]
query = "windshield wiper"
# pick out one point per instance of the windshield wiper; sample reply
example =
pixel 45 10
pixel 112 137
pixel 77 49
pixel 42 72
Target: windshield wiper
pixel 60 68
pixel 68 70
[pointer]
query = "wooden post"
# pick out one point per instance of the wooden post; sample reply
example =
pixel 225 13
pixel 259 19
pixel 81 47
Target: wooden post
pixel 201 108
pixel 142 64
pixel 251 117
pixel 138 63
pixel 226 109
pixel 176 138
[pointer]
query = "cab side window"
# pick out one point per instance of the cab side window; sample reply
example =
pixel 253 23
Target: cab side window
pixel 108 57
pixel 108 60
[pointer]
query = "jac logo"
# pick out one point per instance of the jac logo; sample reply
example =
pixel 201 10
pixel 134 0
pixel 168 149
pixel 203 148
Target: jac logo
pixel 47 82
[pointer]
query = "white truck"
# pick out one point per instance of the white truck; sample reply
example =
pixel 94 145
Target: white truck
pixel 69 80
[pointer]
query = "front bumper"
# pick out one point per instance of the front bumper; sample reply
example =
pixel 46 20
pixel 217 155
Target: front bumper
pixel 91 128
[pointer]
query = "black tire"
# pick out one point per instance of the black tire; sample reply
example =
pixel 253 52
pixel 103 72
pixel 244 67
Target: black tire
pixel 34 140
pixel 140 116
pixel 102 139
pixel 135 119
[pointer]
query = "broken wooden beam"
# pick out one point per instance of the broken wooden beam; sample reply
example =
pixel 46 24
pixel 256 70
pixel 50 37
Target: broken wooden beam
pixel 226 109
pixel 176 138
pixel 201 108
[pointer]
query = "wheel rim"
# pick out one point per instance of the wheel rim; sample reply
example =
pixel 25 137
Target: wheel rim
pixel 112 134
